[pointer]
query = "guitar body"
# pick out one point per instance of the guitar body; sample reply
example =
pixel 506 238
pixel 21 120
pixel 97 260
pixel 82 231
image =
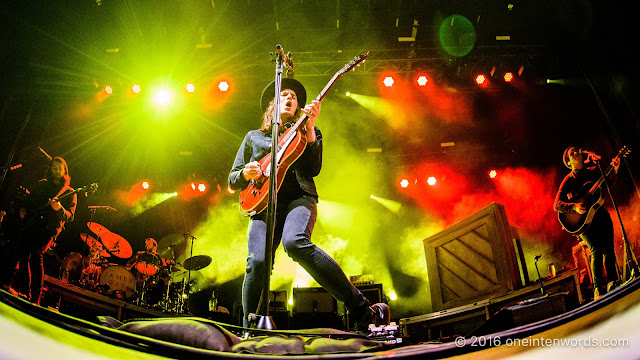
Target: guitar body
pixel 254 199
pixel 575 223
pixel 291 145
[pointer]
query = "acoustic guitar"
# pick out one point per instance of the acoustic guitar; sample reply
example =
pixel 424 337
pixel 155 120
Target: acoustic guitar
pixel 291 144
pixel 591 195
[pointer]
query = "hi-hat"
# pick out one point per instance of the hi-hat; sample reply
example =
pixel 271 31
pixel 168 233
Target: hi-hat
pixel 197 262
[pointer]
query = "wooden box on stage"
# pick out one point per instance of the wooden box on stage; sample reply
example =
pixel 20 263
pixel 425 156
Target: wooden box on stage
pixel 472 260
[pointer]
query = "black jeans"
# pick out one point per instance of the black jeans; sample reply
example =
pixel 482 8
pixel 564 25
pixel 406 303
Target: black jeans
pixel 599 238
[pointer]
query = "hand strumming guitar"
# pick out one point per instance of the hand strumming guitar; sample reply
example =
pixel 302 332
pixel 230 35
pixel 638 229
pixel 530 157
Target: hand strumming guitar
pixel 252 171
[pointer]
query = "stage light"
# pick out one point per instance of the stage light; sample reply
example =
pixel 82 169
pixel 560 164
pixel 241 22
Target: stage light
pixel 145 185
pixel 404 183
pixel 493 174
pixel 108 89
pixel 223 86
pixel 202 187
pixel 347 94
pixel 481 79
pixel 431 180
pixel 136 89
pixel 162 97
pixel 388 81
pixel 190 88
pixel 508 76
pixel 422 80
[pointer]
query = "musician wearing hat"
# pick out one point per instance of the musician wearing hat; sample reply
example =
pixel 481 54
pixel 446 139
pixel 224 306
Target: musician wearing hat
pixel 296 204
pixel 593 224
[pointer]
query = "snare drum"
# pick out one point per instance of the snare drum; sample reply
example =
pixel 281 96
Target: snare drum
pixel 119 281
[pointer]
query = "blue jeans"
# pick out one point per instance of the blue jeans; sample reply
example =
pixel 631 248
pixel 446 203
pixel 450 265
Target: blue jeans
pixel 294 225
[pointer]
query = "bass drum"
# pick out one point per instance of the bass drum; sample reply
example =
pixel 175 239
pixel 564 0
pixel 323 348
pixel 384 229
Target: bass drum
pixel 118 281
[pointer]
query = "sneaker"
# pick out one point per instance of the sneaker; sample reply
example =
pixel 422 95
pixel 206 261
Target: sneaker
pixel 377 314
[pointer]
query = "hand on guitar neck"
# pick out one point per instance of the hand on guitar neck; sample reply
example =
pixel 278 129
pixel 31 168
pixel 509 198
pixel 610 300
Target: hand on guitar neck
pixel 312 111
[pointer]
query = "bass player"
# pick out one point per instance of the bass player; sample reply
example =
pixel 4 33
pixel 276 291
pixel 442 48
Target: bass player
pixel 296 207
pixel 599 233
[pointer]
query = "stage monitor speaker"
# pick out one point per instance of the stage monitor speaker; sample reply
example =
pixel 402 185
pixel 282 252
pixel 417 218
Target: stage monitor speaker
pixel 313 300
pixel 526 312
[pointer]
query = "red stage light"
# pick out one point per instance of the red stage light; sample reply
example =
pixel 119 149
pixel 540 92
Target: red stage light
pixel 493 174
pixel 404 183
pixel 508 77
pixel 481 79
pixel 145 185
pixel 422 80
pixel 388 81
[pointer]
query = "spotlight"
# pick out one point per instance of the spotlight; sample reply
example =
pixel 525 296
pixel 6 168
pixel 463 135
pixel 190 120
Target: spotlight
pixel 108 89
pixel 162 97
pixel 493 174
pixel 190 88
pixel 223 86
pixel 145 185
pixel 404 183
pixel 508 76
pixel 481 79
pixel 136 89
pixel 431 180
pixel 422 80
pixel 388 81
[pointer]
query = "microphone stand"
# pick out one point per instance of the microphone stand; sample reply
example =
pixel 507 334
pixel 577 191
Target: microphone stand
pixel 187 287
pixel 264 321
pixel 629 257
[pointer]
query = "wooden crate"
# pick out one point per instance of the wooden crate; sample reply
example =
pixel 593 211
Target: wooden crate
pixel 472 260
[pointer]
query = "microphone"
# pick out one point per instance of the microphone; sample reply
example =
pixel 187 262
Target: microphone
pixel 593 156
pixel 537 257
pixel 287 59
pixel 101 207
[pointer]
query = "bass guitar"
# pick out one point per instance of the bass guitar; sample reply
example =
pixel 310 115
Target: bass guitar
pixel 291 144
pixel 591 195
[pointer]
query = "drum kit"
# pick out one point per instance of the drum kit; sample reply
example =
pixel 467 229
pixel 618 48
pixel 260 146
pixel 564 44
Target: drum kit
pixel 159 284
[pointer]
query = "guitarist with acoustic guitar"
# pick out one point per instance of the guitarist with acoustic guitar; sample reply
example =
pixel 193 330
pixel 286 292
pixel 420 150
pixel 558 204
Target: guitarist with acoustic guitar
pixel 45 219
pixel 296 206
pixel 578 203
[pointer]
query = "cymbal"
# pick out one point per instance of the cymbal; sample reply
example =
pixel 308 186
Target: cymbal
pixel 117 245
pixel 94 244
pixel 113 243
pixel 97 228
pixel 197 262
pixel 172 246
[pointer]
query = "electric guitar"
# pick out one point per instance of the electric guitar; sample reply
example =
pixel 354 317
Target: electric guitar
pixel 36 215
pixel 591 195
pixel 291 144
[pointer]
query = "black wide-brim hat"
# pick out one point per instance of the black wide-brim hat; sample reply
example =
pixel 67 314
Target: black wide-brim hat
pixel 287 83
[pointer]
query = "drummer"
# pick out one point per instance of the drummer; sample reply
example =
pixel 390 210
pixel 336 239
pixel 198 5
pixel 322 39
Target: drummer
pixel 147 262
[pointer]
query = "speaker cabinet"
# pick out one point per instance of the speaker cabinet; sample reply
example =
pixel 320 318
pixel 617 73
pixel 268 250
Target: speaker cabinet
pixel 314 307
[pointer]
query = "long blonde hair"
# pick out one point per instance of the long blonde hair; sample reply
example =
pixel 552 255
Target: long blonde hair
pixel 267 117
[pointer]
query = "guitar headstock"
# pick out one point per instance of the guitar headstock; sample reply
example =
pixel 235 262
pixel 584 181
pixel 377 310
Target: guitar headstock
pixel 89 189
pixel 624 151
pixel 353 63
